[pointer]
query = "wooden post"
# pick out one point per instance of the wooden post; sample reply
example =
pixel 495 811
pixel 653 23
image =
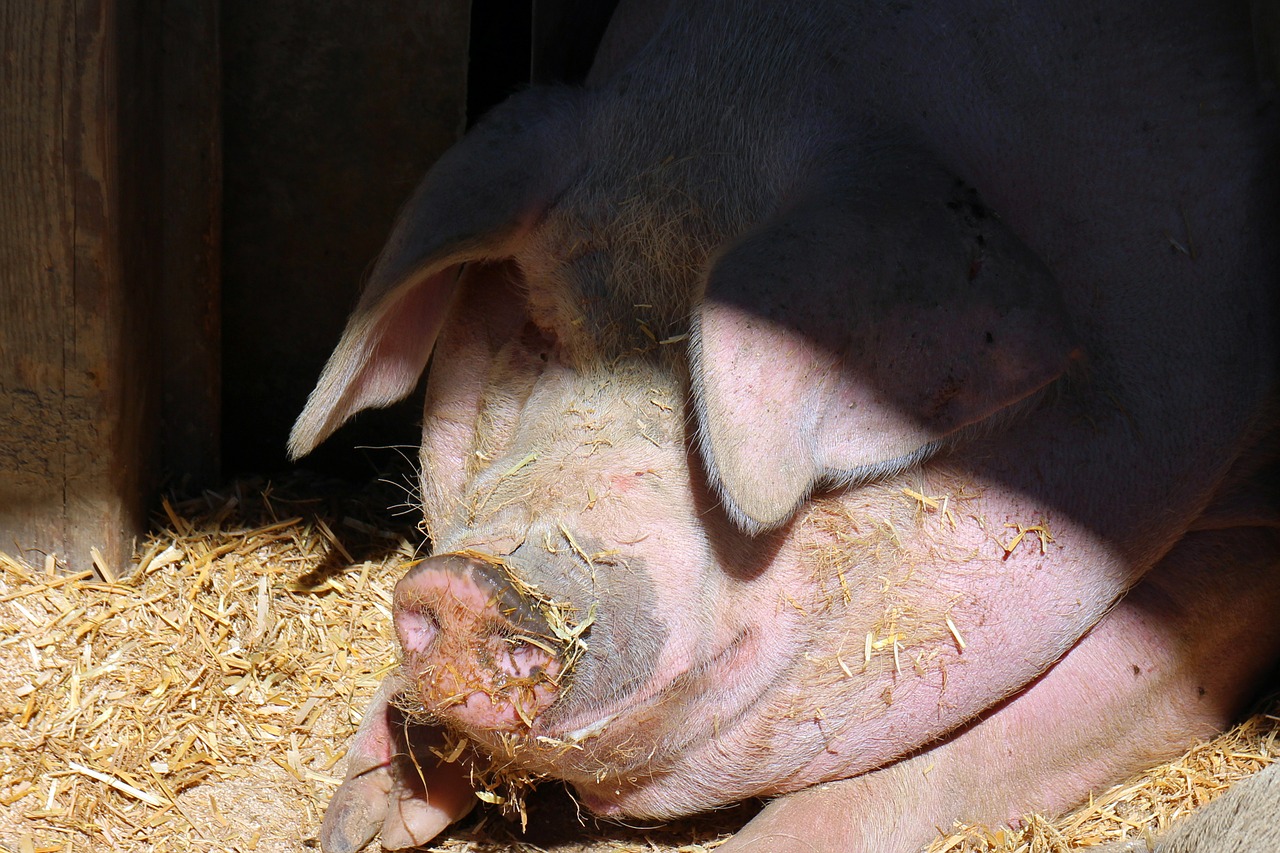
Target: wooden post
pixel 81 257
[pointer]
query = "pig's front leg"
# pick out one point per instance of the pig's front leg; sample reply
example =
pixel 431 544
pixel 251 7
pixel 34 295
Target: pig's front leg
pixel 1171 663
pixel 394 784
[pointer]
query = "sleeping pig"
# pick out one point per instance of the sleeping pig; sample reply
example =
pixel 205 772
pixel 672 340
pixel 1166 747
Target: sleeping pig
pixel 866 406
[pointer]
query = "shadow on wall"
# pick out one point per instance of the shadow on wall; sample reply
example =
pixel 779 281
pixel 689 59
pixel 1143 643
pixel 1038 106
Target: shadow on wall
pixel 331 116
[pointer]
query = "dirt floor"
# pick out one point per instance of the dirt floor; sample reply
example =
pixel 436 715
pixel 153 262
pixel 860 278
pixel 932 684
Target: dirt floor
pixel 200 699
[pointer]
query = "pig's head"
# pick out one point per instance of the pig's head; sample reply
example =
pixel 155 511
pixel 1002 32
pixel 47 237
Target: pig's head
pixel 666 425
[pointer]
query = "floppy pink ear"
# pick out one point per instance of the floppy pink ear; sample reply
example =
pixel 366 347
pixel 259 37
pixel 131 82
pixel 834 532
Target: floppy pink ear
pixel 851 334
pixel 475 204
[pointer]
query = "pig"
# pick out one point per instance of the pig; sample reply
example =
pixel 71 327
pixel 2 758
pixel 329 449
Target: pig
pixel 869 407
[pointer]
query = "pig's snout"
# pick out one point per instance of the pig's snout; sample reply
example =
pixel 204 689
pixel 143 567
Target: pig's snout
pixel 479 654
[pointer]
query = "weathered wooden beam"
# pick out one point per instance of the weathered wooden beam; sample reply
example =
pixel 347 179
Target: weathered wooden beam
pixel 82 322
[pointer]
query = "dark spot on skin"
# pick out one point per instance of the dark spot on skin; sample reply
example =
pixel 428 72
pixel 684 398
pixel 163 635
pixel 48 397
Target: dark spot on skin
pixel 1200 691
pixel 542 355
pixel 1137 670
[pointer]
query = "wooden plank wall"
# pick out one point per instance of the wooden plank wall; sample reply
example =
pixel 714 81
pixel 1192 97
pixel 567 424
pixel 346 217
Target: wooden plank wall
pixel 332 113
pixel 191 297
pixel 564 38
pixel 133 337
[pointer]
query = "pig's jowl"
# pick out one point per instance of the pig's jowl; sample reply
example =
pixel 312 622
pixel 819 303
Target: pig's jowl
pixel 865 405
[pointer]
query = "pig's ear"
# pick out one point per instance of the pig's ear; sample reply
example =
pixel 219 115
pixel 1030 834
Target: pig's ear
pixel 475 204
pixel 849 336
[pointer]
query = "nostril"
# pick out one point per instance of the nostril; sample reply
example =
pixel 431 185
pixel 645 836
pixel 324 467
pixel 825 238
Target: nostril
pixel 417 629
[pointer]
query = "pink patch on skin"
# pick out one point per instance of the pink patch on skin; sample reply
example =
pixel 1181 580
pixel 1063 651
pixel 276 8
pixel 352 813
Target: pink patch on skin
pixel 623 483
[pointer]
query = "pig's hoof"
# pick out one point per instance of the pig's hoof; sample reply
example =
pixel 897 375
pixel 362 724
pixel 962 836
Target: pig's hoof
pixel 356 813
pixel 407 802
pixel 395 783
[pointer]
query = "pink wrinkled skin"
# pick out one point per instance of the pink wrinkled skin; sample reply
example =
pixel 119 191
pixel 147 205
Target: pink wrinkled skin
pixel 870 406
